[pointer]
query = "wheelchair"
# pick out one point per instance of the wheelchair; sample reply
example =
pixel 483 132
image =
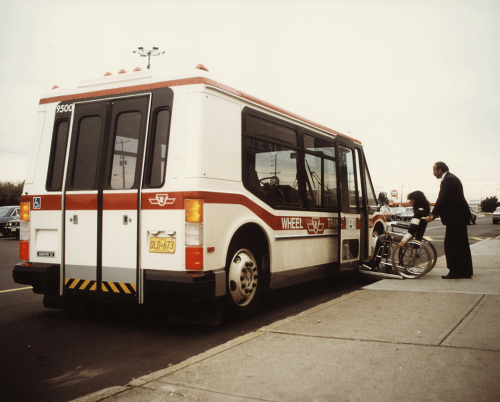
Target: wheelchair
pixel 412 261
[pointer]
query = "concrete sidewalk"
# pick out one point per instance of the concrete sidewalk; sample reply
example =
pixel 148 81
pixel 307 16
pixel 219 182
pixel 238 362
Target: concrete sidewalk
pixel 426 339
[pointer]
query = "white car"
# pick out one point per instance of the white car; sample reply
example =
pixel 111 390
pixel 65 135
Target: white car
pixel 496 216
pixel 407 214
pixel 386 212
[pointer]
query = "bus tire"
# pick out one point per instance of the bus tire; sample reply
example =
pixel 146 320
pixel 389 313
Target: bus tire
pixel 245 280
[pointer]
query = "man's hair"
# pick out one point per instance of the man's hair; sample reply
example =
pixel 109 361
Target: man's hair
pixel 442 166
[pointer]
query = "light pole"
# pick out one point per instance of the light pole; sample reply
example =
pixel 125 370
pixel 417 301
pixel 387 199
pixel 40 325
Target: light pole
pixel 123 161
pixel 148 52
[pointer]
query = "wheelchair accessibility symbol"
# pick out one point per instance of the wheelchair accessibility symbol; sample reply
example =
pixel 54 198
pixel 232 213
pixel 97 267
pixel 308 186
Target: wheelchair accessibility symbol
pixel 37 202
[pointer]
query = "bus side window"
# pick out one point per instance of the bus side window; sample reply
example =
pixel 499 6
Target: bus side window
pixel 348 181
pixel 270 167
pixel 358 176
pixel 321 175
pixel 157 157
pixel 370 194
pixel 57 155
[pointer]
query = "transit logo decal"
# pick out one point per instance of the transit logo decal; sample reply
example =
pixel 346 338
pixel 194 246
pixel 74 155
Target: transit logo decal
pixel 314 226
pixel 162 200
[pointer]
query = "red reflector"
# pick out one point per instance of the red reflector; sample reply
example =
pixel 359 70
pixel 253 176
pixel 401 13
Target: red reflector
pixel 201 67
pixel 194 258
pixel 210 249
pixel 24 250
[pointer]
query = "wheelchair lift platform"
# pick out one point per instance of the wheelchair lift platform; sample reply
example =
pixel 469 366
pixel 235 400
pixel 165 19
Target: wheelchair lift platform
pixel 366 270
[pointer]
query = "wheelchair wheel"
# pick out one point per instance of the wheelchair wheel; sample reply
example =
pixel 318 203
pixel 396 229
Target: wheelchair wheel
pixel 413 260
pixel 432 250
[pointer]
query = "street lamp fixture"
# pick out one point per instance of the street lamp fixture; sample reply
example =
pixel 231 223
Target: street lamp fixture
pixel 148 52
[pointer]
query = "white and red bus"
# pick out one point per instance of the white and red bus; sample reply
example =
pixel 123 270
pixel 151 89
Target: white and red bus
pixel 144 187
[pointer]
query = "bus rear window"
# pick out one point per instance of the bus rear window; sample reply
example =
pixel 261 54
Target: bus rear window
pixel 87 153
pixel 158 150
pixel 58 155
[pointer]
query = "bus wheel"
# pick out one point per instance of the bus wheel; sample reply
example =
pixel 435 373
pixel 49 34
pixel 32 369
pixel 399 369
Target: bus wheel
pixel 243 274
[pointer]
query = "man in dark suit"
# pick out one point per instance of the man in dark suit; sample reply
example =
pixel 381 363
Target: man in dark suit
pixel 454 211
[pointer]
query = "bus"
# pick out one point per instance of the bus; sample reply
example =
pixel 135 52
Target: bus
pixel 143 187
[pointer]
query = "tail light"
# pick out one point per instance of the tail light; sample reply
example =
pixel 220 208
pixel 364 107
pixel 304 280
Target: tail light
pixel 24 231
pixel 194 234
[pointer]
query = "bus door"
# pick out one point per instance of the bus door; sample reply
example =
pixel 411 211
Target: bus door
pixel 368 207
pixel 349 211
pixel 102 189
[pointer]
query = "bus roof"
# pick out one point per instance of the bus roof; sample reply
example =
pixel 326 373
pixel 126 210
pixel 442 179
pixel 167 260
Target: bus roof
pixel 139 80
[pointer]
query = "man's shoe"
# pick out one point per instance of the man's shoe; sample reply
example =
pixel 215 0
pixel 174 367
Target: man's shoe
pixel 449 276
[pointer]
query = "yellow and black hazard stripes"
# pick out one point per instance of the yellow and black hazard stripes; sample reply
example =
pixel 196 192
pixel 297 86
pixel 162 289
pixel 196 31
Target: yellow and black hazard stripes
pixel 80 284
pixel 109 287
pixel 118 287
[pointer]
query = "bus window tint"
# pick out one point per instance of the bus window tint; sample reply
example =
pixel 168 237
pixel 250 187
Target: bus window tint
pixel 370 194
pixel 319 145
pixel 261 127
pixel 272 171
pixel 158 150
pixel 87 153
pixel 321 177
pixel 329 184
pixel 358 176
pixel 348 181
pixel 58 156
pixel 128 128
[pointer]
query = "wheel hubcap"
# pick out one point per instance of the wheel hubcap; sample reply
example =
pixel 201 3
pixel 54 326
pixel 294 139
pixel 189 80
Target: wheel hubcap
pixel 243 277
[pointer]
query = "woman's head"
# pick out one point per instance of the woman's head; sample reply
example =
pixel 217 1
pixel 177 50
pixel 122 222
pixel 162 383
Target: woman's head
pixel 419 201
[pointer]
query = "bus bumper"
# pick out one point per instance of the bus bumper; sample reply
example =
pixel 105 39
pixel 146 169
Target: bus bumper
pixel 199 285
pixel 43 277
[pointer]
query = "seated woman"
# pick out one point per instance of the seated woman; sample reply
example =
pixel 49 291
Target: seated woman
pixel 418 224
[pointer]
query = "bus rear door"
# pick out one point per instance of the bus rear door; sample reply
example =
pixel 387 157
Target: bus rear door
pixel 101 196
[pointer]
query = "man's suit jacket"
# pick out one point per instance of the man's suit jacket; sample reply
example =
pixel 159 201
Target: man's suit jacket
pixel 451 205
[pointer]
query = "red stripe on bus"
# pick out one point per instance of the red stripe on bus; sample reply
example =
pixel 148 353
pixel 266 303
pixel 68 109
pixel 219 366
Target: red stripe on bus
pixel 78 202
pixel 292 222
pixel 48 202
pixel 188 81
pixel 117 201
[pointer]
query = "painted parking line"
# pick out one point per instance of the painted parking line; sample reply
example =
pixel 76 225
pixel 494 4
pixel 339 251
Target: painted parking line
pixel 441 238
pixel 13 290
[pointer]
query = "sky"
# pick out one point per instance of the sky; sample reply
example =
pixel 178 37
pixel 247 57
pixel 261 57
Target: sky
pixel 415 81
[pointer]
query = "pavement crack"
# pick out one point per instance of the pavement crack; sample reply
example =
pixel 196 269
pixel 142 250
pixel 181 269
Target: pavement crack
pixel 461 320
pixel 380 341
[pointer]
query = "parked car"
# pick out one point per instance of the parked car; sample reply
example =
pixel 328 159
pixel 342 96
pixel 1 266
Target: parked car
pixel 393 210
pixel 397 212
pixel 7 214
pixel 407 214
pixel 386 211
pixel 14 228
pixel 496 215
pixel 473 217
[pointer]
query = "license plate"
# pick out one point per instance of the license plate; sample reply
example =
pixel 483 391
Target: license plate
pixel 162 245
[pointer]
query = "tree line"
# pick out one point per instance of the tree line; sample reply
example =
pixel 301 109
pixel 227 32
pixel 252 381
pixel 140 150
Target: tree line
pixel 10 192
